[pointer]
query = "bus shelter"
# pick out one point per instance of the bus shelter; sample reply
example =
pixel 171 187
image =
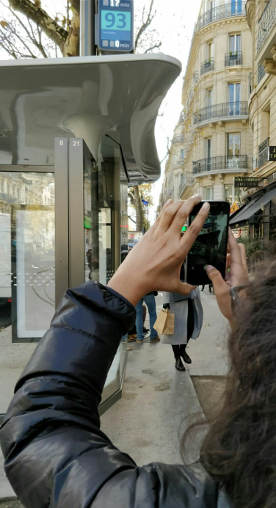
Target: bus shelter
pixel 74 134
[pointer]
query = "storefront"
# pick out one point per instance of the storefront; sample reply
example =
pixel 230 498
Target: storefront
pixel 257 218
pixel 74 133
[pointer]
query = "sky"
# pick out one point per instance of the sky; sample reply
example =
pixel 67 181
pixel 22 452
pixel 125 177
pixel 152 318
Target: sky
pixel 174 23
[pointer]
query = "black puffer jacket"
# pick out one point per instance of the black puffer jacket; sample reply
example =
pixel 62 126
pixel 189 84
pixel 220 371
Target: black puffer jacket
pixel 55 454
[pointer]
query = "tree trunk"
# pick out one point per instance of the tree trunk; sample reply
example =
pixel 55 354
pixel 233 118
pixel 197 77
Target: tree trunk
pixel 139 209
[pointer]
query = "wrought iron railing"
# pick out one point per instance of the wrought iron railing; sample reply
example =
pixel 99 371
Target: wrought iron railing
pixel 220 163
pixel 266 24
pixel 233 58
pixel 261 72
pixel 263 145
pixel 226 10
pixel 207 66
pixel 263 153
pixel 224 110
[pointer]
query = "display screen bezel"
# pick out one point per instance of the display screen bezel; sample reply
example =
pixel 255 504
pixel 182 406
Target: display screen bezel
pixel 201 277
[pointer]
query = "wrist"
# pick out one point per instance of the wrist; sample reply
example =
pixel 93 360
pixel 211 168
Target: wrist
pixel 130 288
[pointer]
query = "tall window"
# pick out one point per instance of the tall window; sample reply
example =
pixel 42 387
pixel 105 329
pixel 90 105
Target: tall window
pixel 182 154
pixel 233 145
pixel 229 195
pixel 234 93
pixel 208 193
pixel 234 44
pixel 209 50
pixel 208 149
pixel 236 6
pixel 208 97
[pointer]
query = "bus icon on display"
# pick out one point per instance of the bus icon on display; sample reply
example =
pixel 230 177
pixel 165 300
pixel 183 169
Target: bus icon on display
pixel 115 25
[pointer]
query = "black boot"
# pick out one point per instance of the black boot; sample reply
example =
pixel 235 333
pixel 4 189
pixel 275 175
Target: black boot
pixel 186 357
pixel 179 365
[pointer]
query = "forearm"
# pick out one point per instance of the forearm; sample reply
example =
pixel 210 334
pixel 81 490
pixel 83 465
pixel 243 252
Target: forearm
pixel 53 418
pixel 84 336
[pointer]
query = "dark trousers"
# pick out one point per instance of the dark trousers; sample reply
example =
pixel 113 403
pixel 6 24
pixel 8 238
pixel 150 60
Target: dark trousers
pixel 179 349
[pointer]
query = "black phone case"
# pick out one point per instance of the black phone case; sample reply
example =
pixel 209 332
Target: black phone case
pixel 200 277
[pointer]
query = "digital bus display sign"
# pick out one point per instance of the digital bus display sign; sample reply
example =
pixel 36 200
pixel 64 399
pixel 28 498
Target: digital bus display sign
pixel 115 25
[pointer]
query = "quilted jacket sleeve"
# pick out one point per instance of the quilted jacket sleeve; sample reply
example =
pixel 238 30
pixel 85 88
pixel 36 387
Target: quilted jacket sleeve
pixel 55 453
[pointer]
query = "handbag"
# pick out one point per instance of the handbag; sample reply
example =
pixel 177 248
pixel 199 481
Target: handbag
pixel 164 323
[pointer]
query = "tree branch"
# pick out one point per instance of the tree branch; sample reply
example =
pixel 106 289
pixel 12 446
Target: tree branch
pixel 51 28
pixel 145 23
pixel 157 45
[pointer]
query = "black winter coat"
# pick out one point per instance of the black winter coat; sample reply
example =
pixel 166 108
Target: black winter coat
pixel 55 453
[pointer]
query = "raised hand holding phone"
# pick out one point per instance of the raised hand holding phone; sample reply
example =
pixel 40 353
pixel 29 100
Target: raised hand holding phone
pixel 155 262
pixel 210 247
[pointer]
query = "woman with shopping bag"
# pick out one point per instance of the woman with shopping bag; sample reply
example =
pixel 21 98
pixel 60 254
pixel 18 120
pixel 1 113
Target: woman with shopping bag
pixel 188 319
pixel 180 320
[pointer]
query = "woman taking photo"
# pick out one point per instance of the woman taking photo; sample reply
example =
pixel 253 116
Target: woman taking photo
pixel 55 453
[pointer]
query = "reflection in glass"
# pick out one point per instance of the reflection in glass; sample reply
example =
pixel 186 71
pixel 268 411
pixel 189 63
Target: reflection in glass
pixel 27 262
pixel 27 270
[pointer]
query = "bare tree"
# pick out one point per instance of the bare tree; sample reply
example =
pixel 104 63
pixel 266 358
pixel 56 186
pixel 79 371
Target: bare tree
pixel 38 34
pixel 31 32
pixel 146 38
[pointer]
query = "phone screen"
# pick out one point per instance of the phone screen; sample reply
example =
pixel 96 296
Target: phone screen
pixel 210 247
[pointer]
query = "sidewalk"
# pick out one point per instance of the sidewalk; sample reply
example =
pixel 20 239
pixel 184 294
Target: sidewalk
pixel 159 402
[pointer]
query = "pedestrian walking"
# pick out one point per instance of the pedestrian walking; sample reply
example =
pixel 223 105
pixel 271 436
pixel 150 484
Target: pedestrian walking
pixel 54 451
pixel 149 300
pixel 188 313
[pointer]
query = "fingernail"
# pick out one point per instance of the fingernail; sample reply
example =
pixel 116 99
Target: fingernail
pixel 207 268
pixel 196 196
pixel 168 201
pixel 206 206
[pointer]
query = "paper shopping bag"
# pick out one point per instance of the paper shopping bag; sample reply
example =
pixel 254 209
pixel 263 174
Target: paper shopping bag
pixel 169 326
pixel 164 323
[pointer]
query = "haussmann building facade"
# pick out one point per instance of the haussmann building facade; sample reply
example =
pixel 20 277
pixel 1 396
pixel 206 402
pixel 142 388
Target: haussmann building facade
pixel 212 143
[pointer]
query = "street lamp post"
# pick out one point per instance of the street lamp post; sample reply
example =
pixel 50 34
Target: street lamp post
pixel 87 27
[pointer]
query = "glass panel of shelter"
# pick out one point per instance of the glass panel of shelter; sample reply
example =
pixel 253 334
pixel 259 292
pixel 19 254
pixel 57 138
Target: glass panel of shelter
pixel 27 261
pixel 106 235
pixel 27 268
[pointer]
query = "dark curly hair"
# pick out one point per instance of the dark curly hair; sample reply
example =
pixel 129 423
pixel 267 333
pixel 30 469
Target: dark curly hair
pixel 239 450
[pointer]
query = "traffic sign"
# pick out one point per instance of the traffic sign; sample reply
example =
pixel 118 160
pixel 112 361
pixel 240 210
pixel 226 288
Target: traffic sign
pixel 115 25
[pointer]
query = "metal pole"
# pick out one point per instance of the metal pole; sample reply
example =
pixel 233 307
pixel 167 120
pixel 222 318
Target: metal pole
pixel 87 28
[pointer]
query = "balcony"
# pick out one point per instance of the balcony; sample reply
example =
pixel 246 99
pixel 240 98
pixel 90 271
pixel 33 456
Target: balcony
pixel 226 111
pixel 233 58
pixel 227 10
pixel 261 72
pixel 221 164
pixel 178 138
pixel 207 66
pixel 263 157
pixel 267 23
pixel 187 179
pixel 178 163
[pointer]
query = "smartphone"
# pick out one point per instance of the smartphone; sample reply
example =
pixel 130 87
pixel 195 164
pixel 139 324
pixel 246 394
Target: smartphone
pixel 210 247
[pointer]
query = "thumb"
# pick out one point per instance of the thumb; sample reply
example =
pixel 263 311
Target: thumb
pixel 183 288
pixel 214 276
